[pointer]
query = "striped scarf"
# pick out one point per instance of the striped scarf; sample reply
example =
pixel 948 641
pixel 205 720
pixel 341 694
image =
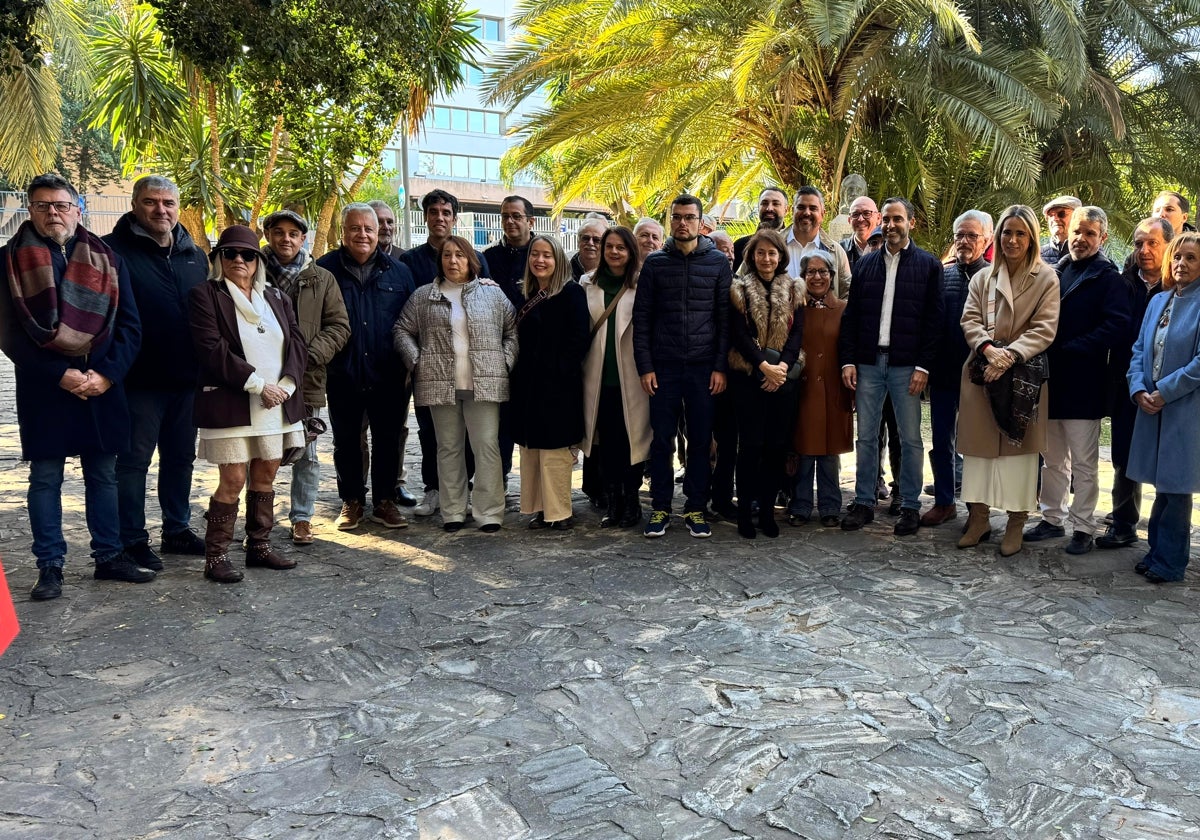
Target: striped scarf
pixel 74 314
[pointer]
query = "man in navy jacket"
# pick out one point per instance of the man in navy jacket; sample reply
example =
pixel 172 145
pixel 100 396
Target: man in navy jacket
pixel 887 346
pixel 680 345
pixel 1093 319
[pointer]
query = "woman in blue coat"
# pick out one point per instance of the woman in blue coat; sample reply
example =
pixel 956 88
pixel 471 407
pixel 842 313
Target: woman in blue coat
pixel 1164 382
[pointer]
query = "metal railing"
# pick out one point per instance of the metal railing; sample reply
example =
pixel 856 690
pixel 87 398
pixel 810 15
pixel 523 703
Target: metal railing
pixel 100 212
pixel 483 229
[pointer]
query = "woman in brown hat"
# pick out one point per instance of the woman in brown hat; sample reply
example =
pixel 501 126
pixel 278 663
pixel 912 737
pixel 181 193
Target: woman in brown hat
pixel 248 405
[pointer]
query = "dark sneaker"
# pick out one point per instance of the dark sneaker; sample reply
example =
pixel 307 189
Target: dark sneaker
pixel 350 516
pixel 697 525
pixel 908 523
pixel 123 569
pixel 387 515
pixel 1044 531
pixel 660 521
pixel 183 542
pixel 1114 538
pixel 143 555
pixel 858 516
pixel 1081 543
pixel 49 584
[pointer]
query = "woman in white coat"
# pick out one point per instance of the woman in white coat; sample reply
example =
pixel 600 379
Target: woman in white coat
pixel 616 411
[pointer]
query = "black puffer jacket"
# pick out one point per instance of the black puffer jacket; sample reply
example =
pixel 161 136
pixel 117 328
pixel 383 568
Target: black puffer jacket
pixel 161 279
pixel 681 314
pixel 946 373
pixel 917 311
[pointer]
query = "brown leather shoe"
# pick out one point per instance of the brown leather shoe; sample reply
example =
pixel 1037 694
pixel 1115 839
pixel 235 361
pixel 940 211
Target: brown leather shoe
pixel 302 533
pixel 264 556
pixel 938 514
pixel 386 514
pixel 351 515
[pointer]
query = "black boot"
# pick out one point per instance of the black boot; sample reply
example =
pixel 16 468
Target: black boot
pixel 632 514
pixel 766 517
pixel 616 508
pixel 745 519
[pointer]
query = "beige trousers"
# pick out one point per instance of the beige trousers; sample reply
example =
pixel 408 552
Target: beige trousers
pixel 546 482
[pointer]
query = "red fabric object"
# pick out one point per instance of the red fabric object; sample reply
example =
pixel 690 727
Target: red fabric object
pixel 8 615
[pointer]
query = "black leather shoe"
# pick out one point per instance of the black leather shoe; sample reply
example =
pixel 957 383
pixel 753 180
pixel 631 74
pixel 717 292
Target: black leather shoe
pixel 1044 531
pixel 858 516
pixel 452 527
pixel 1112 538
pixel 1155 577
pixel 797 519
pixel 1142 567
pixel 404 498
pixel 183 542
pixel 909 522
pixel 562 524
pixel 830 521
pixel 143 555
pixel 123 569
pixel 894 508
pixel 538 522
pixel 49 584
pixel 1081 543
pixel 726 509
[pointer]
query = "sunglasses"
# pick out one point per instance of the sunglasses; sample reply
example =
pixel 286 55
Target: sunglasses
pixel 247 255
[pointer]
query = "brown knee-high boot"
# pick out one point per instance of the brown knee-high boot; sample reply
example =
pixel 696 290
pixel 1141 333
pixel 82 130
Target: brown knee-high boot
pixel 217 536
pixel 1013 537
pixel 260 519
pixel 978 526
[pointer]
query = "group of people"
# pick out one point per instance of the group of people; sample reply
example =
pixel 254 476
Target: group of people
pixel 760 349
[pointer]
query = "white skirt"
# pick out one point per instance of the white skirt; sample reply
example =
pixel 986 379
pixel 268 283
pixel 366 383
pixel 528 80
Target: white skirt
pixel 246 448
pixel 1008 482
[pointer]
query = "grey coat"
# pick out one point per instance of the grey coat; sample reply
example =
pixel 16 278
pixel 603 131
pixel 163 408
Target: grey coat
pixel 424 337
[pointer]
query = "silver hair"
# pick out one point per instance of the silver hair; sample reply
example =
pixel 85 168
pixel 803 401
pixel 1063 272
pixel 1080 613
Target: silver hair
pixel 824 255
pixel 720 234
pixel 593 220
pixel 1091 213
pixel 358 207
pixel 646 221
pixel 984 219
pixel 154 182
pixel 216 271
pixel 379 204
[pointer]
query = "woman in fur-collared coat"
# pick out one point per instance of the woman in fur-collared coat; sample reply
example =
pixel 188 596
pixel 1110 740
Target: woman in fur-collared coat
pixel 765 333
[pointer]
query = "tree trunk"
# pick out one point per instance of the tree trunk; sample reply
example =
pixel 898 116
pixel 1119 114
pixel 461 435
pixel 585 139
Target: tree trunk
pixel 214 151
pixel 325 219
pixel 268 171
pixel 192 219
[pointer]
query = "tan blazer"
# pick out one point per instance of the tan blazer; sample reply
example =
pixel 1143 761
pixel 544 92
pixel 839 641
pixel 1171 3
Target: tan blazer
pixel 633 398
pixel 1026 321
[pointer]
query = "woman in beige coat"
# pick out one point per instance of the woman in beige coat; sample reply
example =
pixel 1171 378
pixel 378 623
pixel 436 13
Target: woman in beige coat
pixel 616 411
pixel 1011 315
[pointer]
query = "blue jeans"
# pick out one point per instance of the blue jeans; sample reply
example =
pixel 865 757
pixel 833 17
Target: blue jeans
pixel 157 420
pixel 945 461
pixel 1170 535
pixel 682 389
pixel 306 478
pixel 100 507
pixel 829 491
pixel 874 382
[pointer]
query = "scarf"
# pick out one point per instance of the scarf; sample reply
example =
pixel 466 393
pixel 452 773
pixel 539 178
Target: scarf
pixel 252 309
pixel 285 276
pixel 1014 396
pixel 75 314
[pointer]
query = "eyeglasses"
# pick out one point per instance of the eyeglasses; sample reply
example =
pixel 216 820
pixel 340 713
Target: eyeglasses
pixel 690 217
pixel 588 239
pixel 818 272
pixel 60 207
pixel 247 255
pixel 1058 214
pixel 967 237
pixel 512 217
pixel 862 214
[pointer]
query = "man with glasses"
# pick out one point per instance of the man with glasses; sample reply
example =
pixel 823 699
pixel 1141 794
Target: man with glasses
pixel 808 214
pixel 1058 221
pixel 164 266
pixel 441 215
pixel 507 258
pixel 972 236
pixel 772 209
pixel 69 323
pixel 887 346
pixel 864 218
pixel 587 258
pixel 365 377
pixel 681 344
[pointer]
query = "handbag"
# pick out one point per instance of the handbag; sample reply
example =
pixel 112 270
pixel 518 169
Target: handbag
pixel 314 427
pixel 772 357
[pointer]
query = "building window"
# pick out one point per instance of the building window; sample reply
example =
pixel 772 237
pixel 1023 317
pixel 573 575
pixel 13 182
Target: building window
pixel 466 119
pixel 489 29
pixel 465 167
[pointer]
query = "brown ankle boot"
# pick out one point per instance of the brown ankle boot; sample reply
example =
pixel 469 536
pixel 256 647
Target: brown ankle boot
pixel 1013 541
pixel 978 527
pixel 217 536
pixel 260 519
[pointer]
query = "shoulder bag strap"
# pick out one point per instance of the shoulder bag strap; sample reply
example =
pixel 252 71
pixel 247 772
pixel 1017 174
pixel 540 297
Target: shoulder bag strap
pixel 607 312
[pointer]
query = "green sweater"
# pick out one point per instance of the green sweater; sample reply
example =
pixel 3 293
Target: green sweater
pixel 611 286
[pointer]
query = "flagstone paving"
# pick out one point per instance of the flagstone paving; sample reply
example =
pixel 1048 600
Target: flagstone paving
pixel 598 686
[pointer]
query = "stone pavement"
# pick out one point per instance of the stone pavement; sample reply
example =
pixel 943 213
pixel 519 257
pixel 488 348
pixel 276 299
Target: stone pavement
pixel 596 686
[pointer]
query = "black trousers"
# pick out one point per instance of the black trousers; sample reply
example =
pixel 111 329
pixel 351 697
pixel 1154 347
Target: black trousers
pixel 1126 494
pixel 612 465
pixel 725 433
pixel 764 429
pixel 384 412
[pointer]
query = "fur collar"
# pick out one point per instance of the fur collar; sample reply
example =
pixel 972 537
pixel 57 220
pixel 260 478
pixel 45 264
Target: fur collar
pixel 769 315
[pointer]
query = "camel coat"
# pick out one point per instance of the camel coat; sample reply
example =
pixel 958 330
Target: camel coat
pixel 1026 321
pixel 825 419
pixel 635 401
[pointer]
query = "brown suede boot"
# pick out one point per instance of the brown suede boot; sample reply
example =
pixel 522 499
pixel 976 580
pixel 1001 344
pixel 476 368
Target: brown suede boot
pixel 978 527
pixel 1013 541
pixel 217 536
pixel 260 519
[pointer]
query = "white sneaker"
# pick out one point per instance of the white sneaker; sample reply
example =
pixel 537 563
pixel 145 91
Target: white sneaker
pixel 429 505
